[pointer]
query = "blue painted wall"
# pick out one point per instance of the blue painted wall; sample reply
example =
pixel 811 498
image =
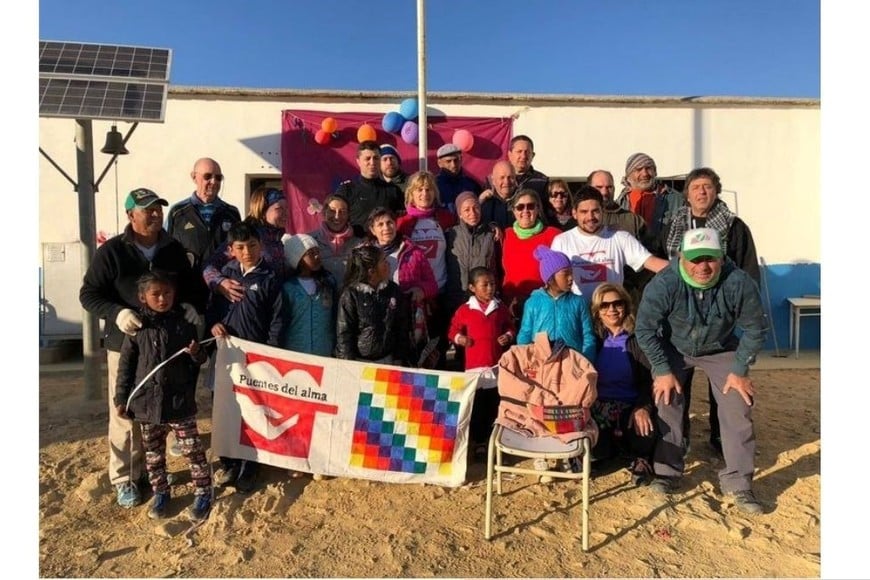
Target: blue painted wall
pixel 787 281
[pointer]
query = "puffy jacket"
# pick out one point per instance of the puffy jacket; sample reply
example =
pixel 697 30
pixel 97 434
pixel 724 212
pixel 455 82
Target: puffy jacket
pixel 696 322
pixel 110 284
pixel 566 317
pixel 170 394
pixel 309 320
pixel 373 324
pixel 184 223
pixel 414 270
pixel 533 375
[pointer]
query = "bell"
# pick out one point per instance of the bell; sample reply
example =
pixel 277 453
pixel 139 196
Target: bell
pixel 114 143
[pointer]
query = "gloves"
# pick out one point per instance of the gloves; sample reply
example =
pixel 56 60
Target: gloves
pixel 191 315
pixel 128 322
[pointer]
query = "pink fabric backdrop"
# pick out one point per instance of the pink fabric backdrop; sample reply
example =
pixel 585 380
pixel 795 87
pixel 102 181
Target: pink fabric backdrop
pixel 310 171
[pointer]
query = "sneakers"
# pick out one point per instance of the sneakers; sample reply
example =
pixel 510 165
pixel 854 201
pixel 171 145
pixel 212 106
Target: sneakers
pixel 663 485
pixel 159 506
pixel 127 494
pixel 226 475
pixel 541 464
pixel 746 502
pixel 247 480
pixel 201 507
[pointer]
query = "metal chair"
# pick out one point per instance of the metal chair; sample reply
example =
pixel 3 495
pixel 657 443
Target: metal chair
pixel 505 441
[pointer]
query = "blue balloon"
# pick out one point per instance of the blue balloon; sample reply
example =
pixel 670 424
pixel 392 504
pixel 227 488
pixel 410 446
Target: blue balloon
pixel 409 108
pixel 393 122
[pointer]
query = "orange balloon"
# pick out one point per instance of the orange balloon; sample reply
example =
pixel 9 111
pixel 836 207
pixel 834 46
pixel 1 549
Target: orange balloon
pixel 329 124
pixel 322 137
pixel 366 133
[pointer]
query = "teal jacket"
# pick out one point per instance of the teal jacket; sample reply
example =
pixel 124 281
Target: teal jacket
pixel 566 317
pixel 698 323
pixel 309 321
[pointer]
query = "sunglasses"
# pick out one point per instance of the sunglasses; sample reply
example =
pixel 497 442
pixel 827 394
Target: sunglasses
pixel 525 206
pixel 562 194
pixel 216 176
pixel 617 304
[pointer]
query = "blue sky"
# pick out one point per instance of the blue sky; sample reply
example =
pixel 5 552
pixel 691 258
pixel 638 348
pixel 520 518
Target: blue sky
pixel 768 48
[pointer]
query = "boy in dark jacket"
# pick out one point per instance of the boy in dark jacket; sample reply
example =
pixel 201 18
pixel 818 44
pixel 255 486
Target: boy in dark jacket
pixel 256 317
pixel 165 400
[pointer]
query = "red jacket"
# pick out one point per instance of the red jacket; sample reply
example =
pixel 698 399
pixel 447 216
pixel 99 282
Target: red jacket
pixel 483 327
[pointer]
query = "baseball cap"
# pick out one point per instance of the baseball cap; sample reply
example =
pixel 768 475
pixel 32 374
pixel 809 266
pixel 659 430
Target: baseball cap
pixel 701 242
pixel 142 198
pixel 449 149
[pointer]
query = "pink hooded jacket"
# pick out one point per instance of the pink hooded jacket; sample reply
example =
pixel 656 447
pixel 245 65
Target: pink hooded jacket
pixel 532 380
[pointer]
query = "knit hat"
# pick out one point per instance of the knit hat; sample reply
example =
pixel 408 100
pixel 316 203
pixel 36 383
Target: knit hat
pixel 463 197
pixel 448 149
pixel 637 161
pixel 701 242
pixel 295 247
pixel 550 262
pixel 273 196
pixel 387 149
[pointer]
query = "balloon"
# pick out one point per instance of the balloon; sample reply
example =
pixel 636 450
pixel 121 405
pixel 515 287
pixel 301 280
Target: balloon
pixel 393 122
pixel 329 125
pixel 410 132
pixel 409 108
pixel 463 139
pixel 366 133
pixel 322 137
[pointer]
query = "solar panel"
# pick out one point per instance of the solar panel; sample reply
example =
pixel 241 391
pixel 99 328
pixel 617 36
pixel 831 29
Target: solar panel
pixel 100 81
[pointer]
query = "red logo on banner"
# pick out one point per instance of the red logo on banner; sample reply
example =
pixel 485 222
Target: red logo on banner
pixel 278 423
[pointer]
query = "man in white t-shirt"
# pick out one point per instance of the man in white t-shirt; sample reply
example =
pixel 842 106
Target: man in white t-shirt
pixel 599 254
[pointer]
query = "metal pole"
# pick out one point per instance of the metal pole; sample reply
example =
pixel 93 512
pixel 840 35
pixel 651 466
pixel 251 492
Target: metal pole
pixel 88 239
pixel 423 144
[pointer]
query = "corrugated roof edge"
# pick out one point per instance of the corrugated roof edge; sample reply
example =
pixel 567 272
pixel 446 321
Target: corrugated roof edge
pixel 193 91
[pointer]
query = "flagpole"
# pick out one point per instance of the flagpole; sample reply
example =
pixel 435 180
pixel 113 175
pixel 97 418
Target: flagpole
pixel 421 86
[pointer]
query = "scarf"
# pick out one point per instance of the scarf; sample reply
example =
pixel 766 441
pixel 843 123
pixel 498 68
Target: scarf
pixel 526 233
pixel 698 286
pixel 720 219
pixel 336 239
pixel 418 213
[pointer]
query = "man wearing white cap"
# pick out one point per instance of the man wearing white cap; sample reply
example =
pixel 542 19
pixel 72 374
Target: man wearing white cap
pixel 451 180
pixel 689 317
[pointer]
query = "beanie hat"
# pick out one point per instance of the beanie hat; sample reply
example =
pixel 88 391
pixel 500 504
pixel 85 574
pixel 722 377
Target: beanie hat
pixel 273 196
pixel 463 197
pixel 387 149
pixel 295 247
pixel 550 262
pixel 638 160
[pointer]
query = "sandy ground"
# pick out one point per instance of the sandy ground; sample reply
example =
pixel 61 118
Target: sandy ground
pixel 354 528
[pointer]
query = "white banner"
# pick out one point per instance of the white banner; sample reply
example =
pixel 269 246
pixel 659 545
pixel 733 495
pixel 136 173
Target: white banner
pixel 341 418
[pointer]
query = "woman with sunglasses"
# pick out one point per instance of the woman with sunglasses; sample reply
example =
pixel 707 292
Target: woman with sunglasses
pixel 558 210
pixel 624 411
pixel 268 215
pixel 521 275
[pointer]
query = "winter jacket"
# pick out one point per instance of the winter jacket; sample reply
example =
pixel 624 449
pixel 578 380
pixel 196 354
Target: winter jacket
pixel 497 212
pixel 698 323
pixel 363 195
pixel 450 186
pixel 414 270
pixel 615 217
pixel 373 324
pixel 309 320
pixel 468 248
pixel 565 317
pixel 257 316
pixel 184 223
pixel 334 258
pixel 483 327
pixel 273 253
pixel 534 375
pixel 170 394
pixel 110 284
pixel 668 201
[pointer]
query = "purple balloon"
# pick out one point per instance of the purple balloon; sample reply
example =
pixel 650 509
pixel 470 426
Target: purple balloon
pixel 410 132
